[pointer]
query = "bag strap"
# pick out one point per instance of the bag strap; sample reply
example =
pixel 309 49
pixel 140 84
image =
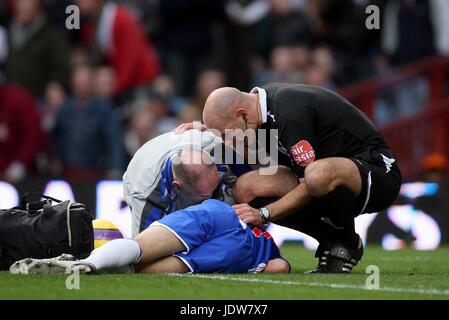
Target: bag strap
pixel 24 201
pixel 28 205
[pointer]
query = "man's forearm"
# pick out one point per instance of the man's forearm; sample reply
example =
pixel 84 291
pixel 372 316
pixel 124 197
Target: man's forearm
pixel 290 203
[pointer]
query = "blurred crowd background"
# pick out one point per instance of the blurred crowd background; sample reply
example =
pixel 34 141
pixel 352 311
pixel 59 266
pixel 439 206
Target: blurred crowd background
pixel 78 103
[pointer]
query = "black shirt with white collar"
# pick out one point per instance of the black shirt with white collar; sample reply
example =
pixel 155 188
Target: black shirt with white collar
pixel 314 123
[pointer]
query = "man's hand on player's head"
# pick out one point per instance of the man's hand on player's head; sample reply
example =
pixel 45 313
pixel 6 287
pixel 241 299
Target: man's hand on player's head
pixel 188 126
pixel 248 214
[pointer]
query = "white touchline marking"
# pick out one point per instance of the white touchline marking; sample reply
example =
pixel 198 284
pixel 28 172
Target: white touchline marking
pixel 314 284
pixel 404 258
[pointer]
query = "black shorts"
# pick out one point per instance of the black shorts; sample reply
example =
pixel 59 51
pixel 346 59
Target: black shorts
pixel 381 180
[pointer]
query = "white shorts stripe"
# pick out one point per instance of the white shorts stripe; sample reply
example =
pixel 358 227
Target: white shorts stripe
pixel 185 262
pixel 368 193
pixel 157 223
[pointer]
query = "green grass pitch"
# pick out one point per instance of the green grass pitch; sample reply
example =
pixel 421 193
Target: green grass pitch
pixel 404 274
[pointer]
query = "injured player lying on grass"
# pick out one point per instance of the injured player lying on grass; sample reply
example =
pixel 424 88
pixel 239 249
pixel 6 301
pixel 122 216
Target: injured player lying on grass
pixel 205 238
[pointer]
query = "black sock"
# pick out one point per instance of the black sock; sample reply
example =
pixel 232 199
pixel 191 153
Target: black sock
pixel 308 221
pixel 338 211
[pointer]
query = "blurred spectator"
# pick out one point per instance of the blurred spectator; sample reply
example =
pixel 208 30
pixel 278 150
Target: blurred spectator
pixel 281 67
pixel 321 70
pixel 341 25
pixel 242 35
pixel 79 57
pixel 87 138
pixel 150 117
pixel 185 38
pixel 38 52
pixel 105 82
pixel 413 29
pixel 323 57
pixel 300 64
pixel 208 81
pixel 21 137
pixel 116 37
pixel 146 12
pixel 317 76
pixel 250 42
pixel 158 107
pixel 287 24
pixel 53 100
pixel 301 56
pixel 435 168
pixel 403 99
pixel 141 126
pixel 164 86
pixel 56 14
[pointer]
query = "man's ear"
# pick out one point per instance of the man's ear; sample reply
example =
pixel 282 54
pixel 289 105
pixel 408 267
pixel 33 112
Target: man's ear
pixel 241 112
pixel 176 184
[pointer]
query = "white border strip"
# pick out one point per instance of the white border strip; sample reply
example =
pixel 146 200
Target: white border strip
pixel 368 193
pixel 316 284
pixel 156 223
pixel 185 262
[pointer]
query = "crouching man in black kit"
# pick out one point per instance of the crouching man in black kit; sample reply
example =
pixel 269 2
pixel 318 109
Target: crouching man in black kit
pixel 336 163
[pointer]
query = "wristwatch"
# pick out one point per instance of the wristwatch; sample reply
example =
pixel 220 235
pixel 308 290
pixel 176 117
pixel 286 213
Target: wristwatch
pixel 265 213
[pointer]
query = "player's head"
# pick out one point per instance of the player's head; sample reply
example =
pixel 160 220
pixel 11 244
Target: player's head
pixel 229 108
pixel 194 173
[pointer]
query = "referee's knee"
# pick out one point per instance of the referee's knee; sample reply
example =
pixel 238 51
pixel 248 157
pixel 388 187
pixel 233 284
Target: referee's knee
pixel 318 179
pixel 241 191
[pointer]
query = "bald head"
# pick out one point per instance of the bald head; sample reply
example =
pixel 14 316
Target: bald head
pixel 194 171
pixel 225 105
pixel 223 100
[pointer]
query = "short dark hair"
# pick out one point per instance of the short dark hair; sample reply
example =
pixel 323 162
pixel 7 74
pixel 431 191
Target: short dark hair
pixel 180 169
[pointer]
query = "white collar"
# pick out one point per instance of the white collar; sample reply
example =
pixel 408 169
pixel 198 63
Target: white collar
pixel 262 102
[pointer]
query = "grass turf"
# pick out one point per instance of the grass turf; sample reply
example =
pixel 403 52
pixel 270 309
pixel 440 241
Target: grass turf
pixel 404 274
